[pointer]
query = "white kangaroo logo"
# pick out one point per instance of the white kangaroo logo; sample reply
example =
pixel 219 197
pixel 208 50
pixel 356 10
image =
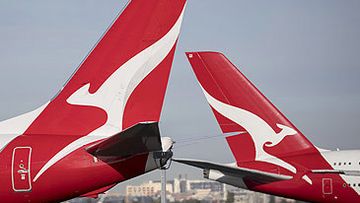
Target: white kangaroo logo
pixel 114 93
pixel 261 133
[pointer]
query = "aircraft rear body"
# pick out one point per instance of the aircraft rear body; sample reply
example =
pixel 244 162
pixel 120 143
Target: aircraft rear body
pixel 267 147
pixel 75 175
pixel 72 145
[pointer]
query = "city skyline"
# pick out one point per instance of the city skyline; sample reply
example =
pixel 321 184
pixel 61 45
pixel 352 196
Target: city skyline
pixel 181 189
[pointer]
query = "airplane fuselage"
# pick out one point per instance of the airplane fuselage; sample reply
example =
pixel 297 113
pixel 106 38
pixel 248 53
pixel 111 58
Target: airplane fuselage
pixel 77 174
pixel 340 184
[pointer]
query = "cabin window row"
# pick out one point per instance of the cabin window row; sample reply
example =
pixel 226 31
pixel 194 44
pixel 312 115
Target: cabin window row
pixel 343 163
pixel 354 185
pixel 351 185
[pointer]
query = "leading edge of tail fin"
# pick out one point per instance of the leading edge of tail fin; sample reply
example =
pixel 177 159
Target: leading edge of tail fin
pixel 239 106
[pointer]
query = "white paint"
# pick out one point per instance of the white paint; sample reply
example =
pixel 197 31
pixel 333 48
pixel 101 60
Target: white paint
pixel 166 143
pixel 113 94
pixel 14 127
pixel 345 156
pixel 28 170
pixel 307 179
pixel 321 149
pixel 259 130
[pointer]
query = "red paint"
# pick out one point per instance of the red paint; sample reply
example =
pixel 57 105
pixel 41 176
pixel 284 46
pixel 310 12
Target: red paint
pixel 139 26
pixel 223 81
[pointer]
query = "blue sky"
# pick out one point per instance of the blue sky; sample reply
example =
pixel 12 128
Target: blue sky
pixel 303 55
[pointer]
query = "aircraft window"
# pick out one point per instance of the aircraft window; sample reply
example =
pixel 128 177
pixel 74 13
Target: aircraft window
pixel 359 185
pixel 334 164
pixel 339 163
pixel 344 163
pixel 349 163
pixel 354 185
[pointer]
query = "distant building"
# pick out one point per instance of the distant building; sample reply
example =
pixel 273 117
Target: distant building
pixel 183 190
pixel 150 189
pixel 180 189
pixel 247 196
pixel 205 190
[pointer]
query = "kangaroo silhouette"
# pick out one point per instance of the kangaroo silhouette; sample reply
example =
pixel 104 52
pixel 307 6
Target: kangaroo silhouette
pixel 116 90
pixel 261 132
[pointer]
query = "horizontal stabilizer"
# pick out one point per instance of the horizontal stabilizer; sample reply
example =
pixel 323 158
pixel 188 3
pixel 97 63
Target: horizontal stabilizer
pixel 139 139
pixel 342 172
pixel 252 174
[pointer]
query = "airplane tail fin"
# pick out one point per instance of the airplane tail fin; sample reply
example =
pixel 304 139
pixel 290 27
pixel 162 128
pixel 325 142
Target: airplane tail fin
pixel 123 79
pixel 122 82
pixel 126 74
pixel 240 107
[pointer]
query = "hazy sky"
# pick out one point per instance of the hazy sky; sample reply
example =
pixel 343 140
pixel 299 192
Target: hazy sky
pixel 303 55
